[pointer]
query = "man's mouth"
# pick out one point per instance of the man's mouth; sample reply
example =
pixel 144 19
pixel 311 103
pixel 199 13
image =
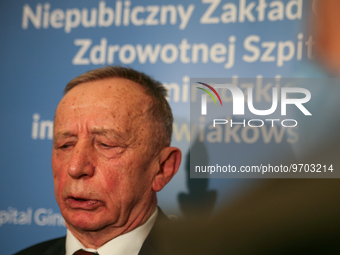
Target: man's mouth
pixel 79 199
pixel 82 203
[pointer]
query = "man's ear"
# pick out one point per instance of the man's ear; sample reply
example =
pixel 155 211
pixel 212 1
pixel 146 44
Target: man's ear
pixel 169 161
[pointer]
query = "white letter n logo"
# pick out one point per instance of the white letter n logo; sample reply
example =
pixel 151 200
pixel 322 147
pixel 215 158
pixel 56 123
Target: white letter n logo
pixel 237 94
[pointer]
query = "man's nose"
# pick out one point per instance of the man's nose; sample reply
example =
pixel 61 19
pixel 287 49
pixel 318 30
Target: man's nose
pixel 81 163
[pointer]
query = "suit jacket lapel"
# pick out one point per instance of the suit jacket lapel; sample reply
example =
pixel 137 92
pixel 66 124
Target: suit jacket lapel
pixel 151 243
pixel 58 248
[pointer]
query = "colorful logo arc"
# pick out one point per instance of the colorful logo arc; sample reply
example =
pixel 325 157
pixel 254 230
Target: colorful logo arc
pixel 213 90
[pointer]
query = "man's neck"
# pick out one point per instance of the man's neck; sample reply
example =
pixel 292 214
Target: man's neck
pixel 97 238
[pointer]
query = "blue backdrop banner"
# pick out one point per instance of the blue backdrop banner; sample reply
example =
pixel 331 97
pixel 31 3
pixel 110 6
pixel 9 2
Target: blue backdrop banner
pixel 47 43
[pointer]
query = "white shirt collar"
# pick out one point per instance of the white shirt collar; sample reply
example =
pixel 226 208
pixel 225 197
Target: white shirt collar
pixel 128 244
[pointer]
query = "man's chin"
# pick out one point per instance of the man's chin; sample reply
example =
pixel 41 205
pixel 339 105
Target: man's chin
pixel 85 221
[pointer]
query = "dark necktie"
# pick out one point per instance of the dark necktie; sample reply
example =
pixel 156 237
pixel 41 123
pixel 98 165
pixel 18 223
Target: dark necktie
pixel 82 252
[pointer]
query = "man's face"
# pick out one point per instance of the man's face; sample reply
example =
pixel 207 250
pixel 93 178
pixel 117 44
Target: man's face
pixel 103 161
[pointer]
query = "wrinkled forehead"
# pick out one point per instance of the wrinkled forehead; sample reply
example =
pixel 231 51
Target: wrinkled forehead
pixel 112 91
pixel 119 99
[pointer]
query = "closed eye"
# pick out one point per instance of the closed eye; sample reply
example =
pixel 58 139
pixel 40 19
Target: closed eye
pixel 65 146
pixel 109 149
pixel 104 145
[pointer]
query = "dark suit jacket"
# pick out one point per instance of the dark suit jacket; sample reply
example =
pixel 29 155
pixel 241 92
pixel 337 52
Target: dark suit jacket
pixel 57 246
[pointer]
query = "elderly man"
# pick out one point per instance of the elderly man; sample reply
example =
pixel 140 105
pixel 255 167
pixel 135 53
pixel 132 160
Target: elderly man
pixel 110 156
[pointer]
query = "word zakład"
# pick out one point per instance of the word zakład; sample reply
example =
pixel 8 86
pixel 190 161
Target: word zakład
pixel 41 217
